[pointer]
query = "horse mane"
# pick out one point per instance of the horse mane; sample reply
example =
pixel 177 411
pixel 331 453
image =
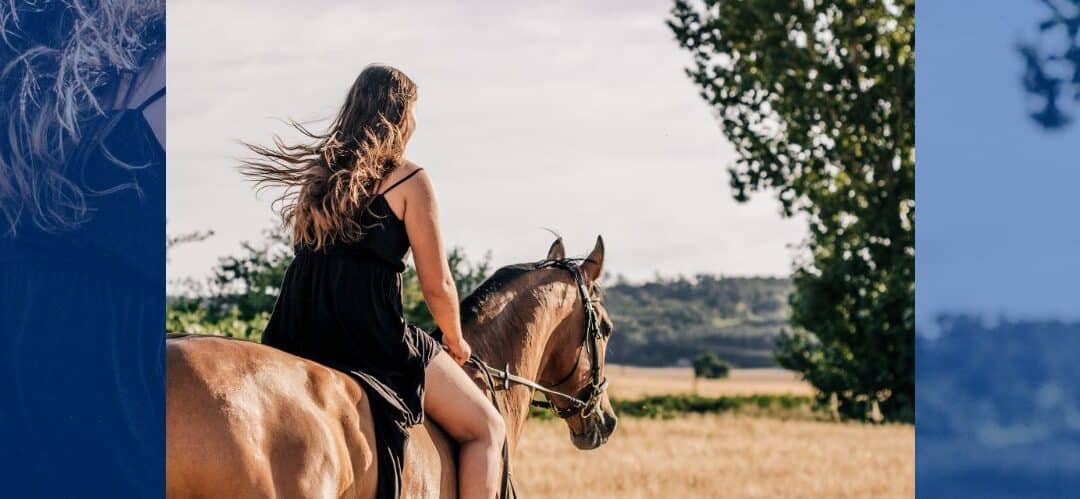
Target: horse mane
pixel 472 308
pixel 473 304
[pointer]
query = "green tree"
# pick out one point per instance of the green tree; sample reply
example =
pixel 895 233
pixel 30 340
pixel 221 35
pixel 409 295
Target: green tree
pixel 1053 74
pixel 249 282
pixel 172 241
pixel 467 276
pixel 708 365
pixel 240 293
pixel 817 98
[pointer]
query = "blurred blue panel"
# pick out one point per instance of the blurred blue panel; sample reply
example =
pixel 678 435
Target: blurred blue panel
pixel 82 250
pixel 997 404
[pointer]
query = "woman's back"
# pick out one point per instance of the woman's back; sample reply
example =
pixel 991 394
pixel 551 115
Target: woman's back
pixel 385 237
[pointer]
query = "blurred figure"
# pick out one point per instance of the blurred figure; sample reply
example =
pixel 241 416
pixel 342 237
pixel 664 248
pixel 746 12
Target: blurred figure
pixel 1052 65
pixel 82 248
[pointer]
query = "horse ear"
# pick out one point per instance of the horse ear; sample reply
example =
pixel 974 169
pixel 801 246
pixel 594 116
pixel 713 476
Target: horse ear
pixel 594 263
pixel 557 250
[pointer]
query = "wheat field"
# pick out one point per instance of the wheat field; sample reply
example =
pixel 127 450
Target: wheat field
pixel 721 456
pixel 628 382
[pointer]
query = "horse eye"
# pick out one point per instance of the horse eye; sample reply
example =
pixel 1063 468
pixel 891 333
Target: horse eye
pixel 606 328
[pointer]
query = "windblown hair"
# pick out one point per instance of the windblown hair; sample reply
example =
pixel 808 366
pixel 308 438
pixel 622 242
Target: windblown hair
pixel 330 181
pixel 56 57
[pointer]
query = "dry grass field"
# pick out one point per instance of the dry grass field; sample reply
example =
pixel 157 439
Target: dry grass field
pixel 629 382
pixel 717 456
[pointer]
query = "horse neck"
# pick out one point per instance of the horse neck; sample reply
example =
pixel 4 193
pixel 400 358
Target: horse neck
pixel 514 331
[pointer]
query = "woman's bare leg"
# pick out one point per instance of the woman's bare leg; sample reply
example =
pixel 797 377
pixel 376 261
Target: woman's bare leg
pixel 460 408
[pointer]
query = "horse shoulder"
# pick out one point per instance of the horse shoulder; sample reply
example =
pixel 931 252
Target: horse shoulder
pixel 246 420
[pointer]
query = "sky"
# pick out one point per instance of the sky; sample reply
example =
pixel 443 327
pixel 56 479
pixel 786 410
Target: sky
pixel 997 232
pixel 570 116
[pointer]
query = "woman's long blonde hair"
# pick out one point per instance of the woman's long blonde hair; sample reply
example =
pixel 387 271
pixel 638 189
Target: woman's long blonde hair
pixel 329 182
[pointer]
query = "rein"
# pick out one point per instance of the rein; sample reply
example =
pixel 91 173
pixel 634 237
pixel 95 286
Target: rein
pixel 506 485
pixel 507 378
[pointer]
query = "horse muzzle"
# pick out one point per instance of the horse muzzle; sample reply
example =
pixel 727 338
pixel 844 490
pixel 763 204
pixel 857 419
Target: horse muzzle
pixel 598 429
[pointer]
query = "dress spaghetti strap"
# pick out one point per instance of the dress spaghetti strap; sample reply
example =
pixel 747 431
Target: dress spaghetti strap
pixel 399 182
pixel 150 100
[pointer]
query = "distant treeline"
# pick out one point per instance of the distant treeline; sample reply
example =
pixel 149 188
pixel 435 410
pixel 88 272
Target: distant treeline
pixel 670 321
pixel 663 322
pixel 1004 398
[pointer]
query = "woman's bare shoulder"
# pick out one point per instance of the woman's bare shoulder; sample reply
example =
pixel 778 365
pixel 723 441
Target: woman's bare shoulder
pixel 407 169
pixel 418 172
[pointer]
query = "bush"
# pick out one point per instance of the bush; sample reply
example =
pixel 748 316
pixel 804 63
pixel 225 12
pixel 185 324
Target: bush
pixel 230 324
pixel 708 365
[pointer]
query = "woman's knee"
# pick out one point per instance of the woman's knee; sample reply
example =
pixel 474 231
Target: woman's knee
pixel 488 427
pixel 495 426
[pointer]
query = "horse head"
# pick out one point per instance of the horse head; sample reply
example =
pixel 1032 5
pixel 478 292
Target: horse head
pixel 542 326
pixel 575 354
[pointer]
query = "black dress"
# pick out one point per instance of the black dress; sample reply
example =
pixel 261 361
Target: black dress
pixel 341 306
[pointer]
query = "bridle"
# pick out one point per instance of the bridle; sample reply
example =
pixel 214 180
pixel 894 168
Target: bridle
pixel 586 400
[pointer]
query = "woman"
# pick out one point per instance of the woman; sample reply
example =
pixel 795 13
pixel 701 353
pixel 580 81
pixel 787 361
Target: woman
pixel 356 206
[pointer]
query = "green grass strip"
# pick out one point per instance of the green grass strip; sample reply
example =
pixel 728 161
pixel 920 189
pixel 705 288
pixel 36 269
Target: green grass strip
pixel 669 406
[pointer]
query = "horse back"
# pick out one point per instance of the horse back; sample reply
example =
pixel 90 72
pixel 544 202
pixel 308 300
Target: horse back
pixel 246 420
pixel 430 469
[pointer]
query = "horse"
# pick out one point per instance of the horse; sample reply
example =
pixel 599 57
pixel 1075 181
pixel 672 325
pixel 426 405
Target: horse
pixel 244 420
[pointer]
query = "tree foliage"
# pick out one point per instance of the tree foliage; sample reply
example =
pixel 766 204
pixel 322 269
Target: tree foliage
pixel 817 98
pixel 1053 75
pixel 708 365
pixel 468 275
pixel 237 298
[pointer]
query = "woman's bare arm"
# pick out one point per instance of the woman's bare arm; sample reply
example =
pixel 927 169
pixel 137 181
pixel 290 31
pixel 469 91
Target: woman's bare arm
pixel 421 217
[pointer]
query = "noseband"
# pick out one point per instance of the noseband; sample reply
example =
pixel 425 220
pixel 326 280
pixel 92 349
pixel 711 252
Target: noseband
pixel 585 401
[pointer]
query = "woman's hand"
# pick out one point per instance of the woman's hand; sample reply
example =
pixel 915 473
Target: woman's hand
pixel 459 350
